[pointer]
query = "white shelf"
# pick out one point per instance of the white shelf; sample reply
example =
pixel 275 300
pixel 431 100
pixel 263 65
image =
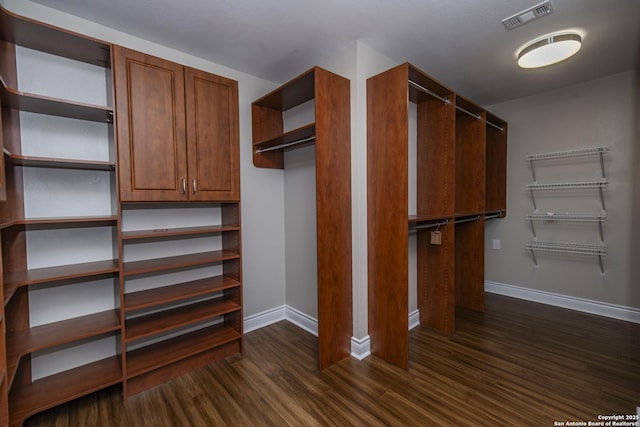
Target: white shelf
pixel 568 185
pixel 573 217
pixel 579 152
pixel 549 217
pixel 568 248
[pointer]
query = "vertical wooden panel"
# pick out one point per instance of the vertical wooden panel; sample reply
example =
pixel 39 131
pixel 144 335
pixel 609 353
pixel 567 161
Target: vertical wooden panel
pixel 387 213
pixel 436 280
pixel 469 262
pixel 436 157
pixel 212 136
pixel 333 204
pixel 496 175
pixel 470 163
pixel 151 127
pixel 4 396
pixel 266 124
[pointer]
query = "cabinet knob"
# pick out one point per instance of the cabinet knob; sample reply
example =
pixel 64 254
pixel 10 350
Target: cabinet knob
pixel 184 186
pixel 195 188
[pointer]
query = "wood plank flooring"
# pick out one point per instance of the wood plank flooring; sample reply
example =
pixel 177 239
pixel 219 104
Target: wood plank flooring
pixel 516 364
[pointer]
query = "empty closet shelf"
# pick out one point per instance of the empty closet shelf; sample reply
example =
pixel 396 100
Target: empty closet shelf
pixel 554 216
pixel 570 248
pixel 568 185
pixel 592 151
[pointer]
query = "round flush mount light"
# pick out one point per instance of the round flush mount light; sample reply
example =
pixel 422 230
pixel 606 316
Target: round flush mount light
pixel 549 50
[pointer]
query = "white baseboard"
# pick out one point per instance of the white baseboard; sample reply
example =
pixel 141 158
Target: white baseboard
pixel 414 319
pixel 360 348
pixel 302 320
pixel 628 314
pixel 284 312
pixel 265 318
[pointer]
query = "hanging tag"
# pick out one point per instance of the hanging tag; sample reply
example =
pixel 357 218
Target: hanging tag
pixel 436 237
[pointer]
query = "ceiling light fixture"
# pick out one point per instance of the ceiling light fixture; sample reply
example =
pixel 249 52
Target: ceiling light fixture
pixel 549 50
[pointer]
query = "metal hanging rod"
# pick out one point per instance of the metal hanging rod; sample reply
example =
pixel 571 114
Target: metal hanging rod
pixel 492 216
pixel 446 101
pixel 460 221
pixel 285 145
pixel 428 92
pixel 435 224
pixel 479 117
pixel 476 116
pixel 500 128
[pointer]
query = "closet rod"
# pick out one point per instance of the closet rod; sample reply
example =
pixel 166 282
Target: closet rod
pixel 460 221
pixel 500 128
pixel 492 216
pixel 288 144
pixel 477 116
pixel 428 92
pixel 435 224
pixel 446 101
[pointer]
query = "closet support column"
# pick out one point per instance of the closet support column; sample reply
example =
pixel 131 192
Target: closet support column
pixel 387 201
pixel 333 201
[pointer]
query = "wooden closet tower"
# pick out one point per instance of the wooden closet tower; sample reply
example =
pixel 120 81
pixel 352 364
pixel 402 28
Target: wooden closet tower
pixel 461 181
pixel 331 133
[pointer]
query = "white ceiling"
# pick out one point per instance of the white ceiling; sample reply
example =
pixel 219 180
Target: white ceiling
pixel 462 43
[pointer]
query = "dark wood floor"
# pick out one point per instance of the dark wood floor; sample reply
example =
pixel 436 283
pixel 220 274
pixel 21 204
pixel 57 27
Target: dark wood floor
pixel 516 364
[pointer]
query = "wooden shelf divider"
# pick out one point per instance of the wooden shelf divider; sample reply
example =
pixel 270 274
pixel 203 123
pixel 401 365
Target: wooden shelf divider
pixel 173 293
pixel 23 342
pixel 45 393
pixel 164 353
pixel 166 320
pixel 176 232
pixel 23 101
pixel 48 162
pixel 171 263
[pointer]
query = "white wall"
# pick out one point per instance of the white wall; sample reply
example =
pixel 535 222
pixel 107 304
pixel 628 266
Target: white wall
pixel 602 112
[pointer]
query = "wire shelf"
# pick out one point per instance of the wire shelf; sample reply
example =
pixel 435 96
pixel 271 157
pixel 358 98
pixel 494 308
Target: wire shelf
pixel 571 248
pixel 579 152
pixel 568 185
pixel 554 216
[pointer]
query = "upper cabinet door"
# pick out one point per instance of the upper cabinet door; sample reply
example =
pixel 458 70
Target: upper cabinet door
pixel 212 136
pixel 150 116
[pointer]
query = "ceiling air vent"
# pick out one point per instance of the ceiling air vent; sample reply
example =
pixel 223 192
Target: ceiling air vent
pixel 527 15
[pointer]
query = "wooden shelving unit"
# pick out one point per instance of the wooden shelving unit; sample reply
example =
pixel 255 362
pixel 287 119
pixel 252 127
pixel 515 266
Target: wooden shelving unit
pixel 27 396
pixel 330 133
pixel 152 317
pixel 461 174
pixel 65 386
pixel 156 328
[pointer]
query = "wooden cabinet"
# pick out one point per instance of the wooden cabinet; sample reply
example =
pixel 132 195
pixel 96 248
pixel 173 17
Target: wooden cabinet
pixel 461 179
pixel 331 134
pixel 177 131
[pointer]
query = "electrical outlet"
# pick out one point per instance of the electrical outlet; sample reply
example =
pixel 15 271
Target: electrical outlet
pixel 496 244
